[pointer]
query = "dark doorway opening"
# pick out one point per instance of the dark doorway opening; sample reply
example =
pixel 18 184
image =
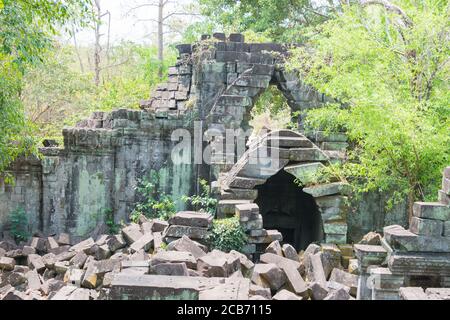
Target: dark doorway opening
pixel 285 207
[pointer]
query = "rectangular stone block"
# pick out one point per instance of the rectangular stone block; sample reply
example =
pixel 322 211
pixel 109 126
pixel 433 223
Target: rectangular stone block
pixel 176 231
pixel 159 287
pixel 426 227
pixel 431 210
pixel 191 219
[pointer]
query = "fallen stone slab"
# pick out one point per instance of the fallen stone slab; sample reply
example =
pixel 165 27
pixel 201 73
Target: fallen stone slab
pixel 157 287
pixel 64 293
pixel 346 279
pixel 275 248
pixel 145 243
pixel 116 242
pixel 289 252
pixel 64 239
pixel 132 233
pixel 218 264
pixel 315 271
pixel 177 231
pixel 438 293
pixel 317 291
pixel 278 260
pixel 232 289
pixel 256 290
pixel 36 262
pixel 286 295
pixel 412 293
pixel 170 269
pixel 271 274
pixel 191 219
pixel 79 260
pixel 187 245
pixel 340 294
pixel 7 264
pixel 159 225
pixel 247 266
pixel 74 277
pixel 84 246
pixel 174 256
pixel 33 280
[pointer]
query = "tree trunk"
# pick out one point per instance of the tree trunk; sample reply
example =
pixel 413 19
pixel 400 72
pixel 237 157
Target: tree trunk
pixel 160 37
pixel 97 48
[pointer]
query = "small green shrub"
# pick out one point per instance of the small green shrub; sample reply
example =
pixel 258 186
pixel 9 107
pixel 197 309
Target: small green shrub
pixel 204 201
pixel 113 227
pixel 227 235
pixel 18 221
pixel 153 204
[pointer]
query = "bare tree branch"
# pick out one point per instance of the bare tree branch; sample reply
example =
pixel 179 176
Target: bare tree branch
pixel 390 7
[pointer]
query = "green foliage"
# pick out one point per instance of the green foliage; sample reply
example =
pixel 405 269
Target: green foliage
pixel 227 234
pixel 113 227
pixel 58 94
pixel 281 20
pixel 204 201
pixel 153 204
pixel 391 80
pixel 18 221
pixel 27 28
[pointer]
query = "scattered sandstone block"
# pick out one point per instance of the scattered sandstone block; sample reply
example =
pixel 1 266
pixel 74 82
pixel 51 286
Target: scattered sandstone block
pixel 84 246
pixel 7 264
pixel 170 269
pixel 187 245
pixel 289 252
pixel 273 275
pixel 132 233
pixel 286 295
pixel 191 219
pixel 275 248
pixel 36 262
pixel 174 256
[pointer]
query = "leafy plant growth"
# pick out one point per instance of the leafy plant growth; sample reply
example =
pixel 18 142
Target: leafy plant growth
pixel 18 221
pixel 204 201
pixel 153 204
pixel 227 234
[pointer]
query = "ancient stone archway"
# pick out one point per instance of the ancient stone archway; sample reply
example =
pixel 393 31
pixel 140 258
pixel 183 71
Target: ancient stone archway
pixel 292 152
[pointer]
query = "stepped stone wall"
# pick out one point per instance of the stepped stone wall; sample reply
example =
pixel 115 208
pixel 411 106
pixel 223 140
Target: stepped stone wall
pixel 212 87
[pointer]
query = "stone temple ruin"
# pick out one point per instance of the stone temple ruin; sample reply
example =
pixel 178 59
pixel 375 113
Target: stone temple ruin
pixel 210 91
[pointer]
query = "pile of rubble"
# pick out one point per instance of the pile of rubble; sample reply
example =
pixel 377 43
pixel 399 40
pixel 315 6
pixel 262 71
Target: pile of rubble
pixel 403 261
pixel 138 264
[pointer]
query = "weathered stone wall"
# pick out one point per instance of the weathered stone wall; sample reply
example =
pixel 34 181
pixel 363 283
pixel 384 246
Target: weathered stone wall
pixel 25 193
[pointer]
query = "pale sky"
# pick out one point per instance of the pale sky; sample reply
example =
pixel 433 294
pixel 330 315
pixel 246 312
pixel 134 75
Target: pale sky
pixel 125 24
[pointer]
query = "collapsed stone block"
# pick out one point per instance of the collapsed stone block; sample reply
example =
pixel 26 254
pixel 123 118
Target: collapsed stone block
pixel 271 274
pixel 191 219
pixel 7 264
pixel 274 248
pixel 187 245
pixel 289 252
pixel 174 257
pixel 346 279
pixel 286 295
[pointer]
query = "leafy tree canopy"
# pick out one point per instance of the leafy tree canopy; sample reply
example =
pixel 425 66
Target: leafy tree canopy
pixel 26 31
pixel 281 20
pixel 389 68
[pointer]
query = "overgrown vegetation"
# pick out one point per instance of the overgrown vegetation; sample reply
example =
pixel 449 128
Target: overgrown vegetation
pixel 26 34
pixel 113 227
pixel 153 204
pixel 390 71
pixel 227 234
pixel 203 202
pixel 18 221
